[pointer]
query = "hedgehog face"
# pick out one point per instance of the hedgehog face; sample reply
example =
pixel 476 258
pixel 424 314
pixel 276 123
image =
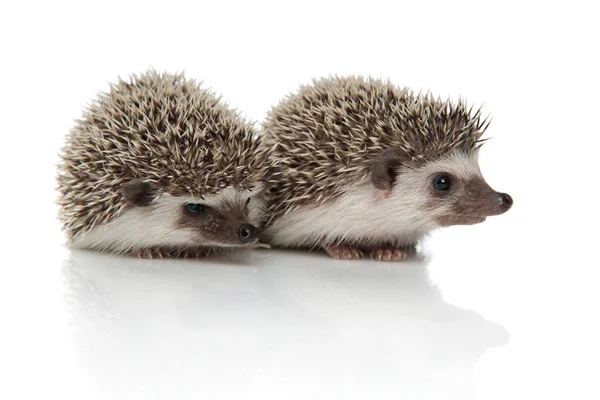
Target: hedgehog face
pixel 228 218
pixel 450 191
pixel 225 219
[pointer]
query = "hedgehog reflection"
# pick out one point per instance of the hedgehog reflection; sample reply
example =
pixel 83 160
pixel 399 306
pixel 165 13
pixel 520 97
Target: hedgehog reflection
pixel 250 330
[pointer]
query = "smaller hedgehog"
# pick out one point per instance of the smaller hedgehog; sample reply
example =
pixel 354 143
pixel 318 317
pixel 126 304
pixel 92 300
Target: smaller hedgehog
pixel 161 167
pixel 371 168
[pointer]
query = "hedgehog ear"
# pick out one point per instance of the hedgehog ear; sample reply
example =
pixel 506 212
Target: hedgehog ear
pixel 382 169
pixel 139 193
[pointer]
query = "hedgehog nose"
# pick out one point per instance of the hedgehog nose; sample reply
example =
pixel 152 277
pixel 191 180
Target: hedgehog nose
pixel 505 200
pixel 248 233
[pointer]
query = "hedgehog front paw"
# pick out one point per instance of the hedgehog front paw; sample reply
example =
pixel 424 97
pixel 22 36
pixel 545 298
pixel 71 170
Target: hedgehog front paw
pixel 344 252
pixel 150 254
pixel 389 254
pixel 191 252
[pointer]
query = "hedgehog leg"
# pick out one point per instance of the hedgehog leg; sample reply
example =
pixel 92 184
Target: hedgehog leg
pixel 392 253
pixel 191 252
pixel 344 252
pixel 151 253
pixel 177 252
pixel 389 254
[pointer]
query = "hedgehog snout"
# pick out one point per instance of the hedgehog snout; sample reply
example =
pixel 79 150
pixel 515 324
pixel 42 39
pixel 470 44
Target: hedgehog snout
pixel 247 233
pixel 505 201
pixel 496 204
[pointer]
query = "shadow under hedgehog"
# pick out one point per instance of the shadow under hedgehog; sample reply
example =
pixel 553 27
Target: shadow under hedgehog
pixel 367 167
pixel 160 167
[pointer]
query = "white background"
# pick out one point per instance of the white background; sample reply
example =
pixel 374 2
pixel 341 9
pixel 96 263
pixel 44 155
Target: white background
pixel 504 310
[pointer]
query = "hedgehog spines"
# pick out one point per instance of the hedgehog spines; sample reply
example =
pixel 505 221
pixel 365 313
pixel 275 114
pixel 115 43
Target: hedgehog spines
pixel 161 127
pixel 328 133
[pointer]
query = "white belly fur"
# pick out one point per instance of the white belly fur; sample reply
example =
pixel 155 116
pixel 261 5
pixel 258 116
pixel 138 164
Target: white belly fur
pixel 361 217
pixel 139 228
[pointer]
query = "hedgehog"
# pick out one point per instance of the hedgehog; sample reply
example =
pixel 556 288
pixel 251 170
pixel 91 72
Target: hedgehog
pixel 368 168
pixel 160 167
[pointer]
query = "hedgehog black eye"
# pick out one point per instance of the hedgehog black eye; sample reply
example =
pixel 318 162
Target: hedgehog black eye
pixel 194 208
pixel 247 202
pixel 441 183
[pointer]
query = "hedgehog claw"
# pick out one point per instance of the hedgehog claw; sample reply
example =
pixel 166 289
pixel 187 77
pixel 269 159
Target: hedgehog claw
pixel 344 252
pixel 389 254
pixel 150 254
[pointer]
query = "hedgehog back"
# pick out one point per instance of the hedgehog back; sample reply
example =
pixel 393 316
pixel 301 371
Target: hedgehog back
pixel 325 137
pixel 159 127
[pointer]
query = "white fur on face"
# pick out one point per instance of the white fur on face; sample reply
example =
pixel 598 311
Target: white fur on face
pixel 364 217
pixel 156 225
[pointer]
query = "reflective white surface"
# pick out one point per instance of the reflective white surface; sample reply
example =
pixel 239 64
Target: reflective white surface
pixel 455 323
pixel 505 310
pixel 263 323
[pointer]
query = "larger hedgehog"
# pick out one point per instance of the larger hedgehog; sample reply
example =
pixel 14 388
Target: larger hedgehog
pixel 159 166
pixel 368 167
